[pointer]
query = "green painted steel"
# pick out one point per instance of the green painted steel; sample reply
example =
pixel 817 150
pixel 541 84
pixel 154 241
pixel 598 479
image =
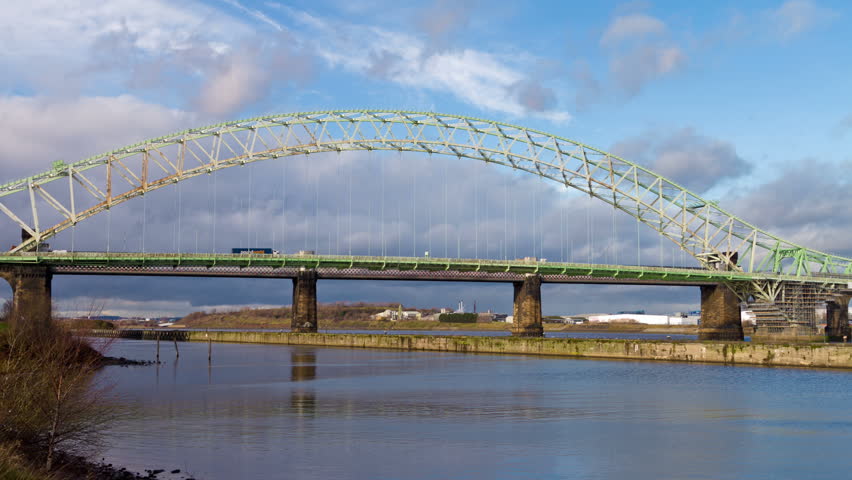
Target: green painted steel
pixel 718 239
pixel 425 264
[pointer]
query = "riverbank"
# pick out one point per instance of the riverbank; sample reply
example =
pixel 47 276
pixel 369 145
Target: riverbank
pixel 381 326
pixel 732 353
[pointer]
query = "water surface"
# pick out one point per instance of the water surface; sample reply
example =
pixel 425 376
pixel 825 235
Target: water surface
pixel 270 411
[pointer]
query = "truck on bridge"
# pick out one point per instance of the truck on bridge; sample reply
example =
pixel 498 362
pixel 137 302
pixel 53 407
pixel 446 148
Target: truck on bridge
pixel 254 251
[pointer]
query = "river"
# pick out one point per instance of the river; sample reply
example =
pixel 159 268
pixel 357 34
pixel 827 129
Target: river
pixel 282 412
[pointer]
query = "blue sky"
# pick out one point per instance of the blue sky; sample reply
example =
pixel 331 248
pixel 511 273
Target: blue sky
pixel 747 103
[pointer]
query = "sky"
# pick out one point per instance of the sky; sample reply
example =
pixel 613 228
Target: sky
pixel 745 103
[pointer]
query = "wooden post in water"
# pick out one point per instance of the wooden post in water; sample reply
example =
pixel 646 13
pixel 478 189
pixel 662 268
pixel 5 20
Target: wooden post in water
pixel 209 349
pixel 158 347
pixel 177 352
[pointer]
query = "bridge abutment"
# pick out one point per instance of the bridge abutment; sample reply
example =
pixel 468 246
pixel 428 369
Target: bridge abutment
pixel 720 314
pixel 527 309
pixel 304 302
pixel 837 318
pixel 31 294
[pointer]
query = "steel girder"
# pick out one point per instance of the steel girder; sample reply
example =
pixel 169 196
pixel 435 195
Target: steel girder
pixel 698 226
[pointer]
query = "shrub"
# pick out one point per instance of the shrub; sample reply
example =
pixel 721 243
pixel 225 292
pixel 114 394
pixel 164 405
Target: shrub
pixel 47 388
pixel 457 317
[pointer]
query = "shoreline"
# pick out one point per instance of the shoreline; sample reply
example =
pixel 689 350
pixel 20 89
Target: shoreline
pixel 814 355
pixel 330 326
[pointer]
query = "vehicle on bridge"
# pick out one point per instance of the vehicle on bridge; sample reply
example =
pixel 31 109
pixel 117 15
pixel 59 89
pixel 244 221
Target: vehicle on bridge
pixel 255 251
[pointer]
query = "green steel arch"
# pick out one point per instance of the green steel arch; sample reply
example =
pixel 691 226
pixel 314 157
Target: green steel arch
pixel 718 239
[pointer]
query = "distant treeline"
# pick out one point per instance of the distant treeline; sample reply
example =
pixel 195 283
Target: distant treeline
pixel 458 317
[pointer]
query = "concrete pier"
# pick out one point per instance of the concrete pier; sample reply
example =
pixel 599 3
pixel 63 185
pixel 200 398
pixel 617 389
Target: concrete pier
pixel 720 314
pixel 31 300
pixel 837 318
pixel 527 309
pixel 305 302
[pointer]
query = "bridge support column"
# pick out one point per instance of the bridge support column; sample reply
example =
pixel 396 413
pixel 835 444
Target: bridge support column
pixel 527 310
pixel 720 314
pixel 837 318
pixel 304 302
pixel 31 297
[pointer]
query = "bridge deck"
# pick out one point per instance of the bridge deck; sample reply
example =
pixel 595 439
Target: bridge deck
pixel 382 268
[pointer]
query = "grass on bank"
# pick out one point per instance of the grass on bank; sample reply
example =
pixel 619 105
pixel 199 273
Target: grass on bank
pixel 14 467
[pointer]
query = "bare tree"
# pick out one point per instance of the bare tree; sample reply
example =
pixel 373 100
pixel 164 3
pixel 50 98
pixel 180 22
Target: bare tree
pixel 51 394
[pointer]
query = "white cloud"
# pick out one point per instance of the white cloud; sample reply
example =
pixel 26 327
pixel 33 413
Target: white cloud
pixel 798 16
pixel 36 131
pixel 637 25
pixel 472 76
pixel 633 69
pixel 693 160
pixel 236 82
pixel 67 28
pixel 637 57
pixel 256 14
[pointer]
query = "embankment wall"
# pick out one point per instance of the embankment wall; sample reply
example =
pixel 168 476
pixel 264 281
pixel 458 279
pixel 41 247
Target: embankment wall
pixel 733 353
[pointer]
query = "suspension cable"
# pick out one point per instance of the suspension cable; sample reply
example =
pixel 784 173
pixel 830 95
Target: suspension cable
pixel 144 219
pixel 414 209
pixel 476 211
pixel 180 216
pixel 316 212
pixel 638 244
pixel 350 210
pixel 109 227
pixel 506 217
pixel 589 231
pixel 614 237
pixel 337 219
pixel 446 216
pixel 535 220
pixel 284 205
pixel 382 169
pixel 250 216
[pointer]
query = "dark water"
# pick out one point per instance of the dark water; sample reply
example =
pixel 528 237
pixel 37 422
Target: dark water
pixel 279 412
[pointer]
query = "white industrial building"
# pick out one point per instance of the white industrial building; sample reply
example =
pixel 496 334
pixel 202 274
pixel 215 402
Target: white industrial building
pixel 394 315
pixel 645 319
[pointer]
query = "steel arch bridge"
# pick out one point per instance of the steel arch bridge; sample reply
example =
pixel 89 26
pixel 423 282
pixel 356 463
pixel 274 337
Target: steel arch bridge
pixel 717 239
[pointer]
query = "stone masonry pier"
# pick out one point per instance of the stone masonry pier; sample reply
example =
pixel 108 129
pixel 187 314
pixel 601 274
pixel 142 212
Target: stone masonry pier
pixel 305 302
pixel 31 293
pixel 527 307
pixel 720 314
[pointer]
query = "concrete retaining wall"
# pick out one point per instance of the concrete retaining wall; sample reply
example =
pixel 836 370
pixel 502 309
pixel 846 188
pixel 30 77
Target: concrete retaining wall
pixel 736 353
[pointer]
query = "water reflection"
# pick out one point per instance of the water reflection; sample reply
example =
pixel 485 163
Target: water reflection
pixel 303 368
pixel 303 364
pixel 302 412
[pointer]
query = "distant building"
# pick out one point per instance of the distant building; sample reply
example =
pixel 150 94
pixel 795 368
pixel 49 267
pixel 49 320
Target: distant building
pixel 633 318
pixel 394 315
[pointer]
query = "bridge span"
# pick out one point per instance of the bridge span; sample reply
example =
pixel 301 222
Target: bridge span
pixel 30 274
pixel 782 282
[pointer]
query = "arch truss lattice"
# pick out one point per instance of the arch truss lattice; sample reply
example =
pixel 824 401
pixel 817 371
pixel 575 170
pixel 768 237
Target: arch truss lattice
pixel 715 237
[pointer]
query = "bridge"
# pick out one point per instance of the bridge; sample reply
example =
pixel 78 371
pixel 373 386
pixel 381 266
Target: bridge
pixel 781 282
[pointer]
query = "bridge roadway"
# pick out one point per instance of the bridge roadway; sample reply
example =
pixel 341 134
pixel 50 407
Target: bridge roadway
pixel 30 275
pixel 384 268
